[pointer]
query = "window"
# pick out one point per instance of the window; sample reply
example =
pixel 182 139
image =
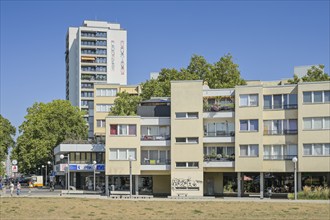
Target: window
pixel 123 129
pixel 251 150
pixel 280 101
pixel 229 151
pixel 249 125
pixel 106 92
pixel 87 94
pixel 220 129
pixel 100 123
pixel 248 100
pixel 188 140
pixel 122 154
pixel 280 152
pixel 103 107
pixel 186 164
pixel 155 157
pixel 316 97
pixel 317 149
pixel 186 114
pixel 317 123
pixel 280 127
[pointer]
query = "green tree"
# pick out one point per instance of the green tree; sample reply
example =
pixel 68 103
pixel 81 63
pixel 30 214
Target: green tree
pixel 314 74
pixel 45 127
pixel 7 133
pixel 125 104
pixel 224 74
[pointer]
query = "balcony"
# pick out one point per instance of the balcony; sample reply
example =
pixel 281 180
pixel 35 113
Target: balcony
pixel 279 157
pixel 281 132
pixel 96 77
pixel 148 164
pixel 155 140
pixel 214 161
pixel 93 34
pixel 219 137
pixel 219 111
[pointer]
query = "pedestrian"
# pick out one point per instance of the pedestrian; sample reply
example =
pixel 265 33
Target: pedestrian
pixel 18 188
pixel 1 186
pixel 11 187
pixel 30 187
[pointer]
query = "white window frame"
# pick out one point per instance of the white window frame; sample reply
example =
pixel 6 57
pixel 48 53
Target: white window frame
pixel 103 107
pixel 284 150
pixel 283 122
pixel 186 116
pixel 107 92
pixel 283 104
pixel 249 146
pixel 249 100
pixel 225 149
pixel 249 125
pixel 122 149
pixel 102 123
pixel 168 153
pixel 127 129
pixel 187 140
pixel 312 97
pixel 313 118
pixel 313 150
pixel 187 165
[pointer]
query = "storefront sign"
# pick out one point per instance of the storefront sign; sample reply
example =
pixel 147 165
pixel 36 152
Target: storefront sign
pixel 80 167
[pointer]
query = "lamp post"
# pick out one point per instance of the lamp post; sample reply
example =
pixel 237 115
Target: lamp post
pixel 130 175
pixel 68 156
pixel 42 174
pixel 94 168
pixel 48 163
pixel 295 160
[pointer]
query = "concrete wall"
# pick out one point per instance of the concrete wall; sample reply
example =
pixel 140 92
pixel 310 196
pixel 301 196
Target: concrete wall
pixel 184 152
pixel 114 167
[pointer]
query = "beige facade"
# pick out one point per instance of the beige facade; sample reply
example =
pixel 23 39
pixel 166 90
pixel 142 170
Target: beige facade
pixel 105 96
pixel 220 139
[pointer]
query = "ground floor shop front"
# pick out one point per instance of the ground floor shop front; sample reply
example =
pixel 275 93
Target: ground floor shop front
pixel 214 183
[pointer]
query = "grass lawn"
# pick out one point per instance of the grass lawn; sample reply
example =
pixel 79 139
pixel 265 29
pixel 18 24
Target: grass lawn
pixel 81 208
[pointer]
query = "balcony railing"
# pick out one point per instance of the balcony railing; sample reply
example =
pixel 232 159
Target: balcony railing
pixel 219 108
pixel 147 161
pixel 219 134
pixel 281 132
pixel 155 137
pixel 279 157
pixel 218 158
pixel 289 106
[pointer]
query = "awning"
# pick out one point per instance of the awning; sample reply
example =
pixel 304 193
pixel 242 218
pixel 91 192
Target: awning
pixel 88 58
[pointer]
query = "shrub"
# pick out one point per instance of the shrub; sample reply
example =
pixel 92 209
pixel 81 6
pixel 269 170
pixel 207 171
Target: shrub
pixel 318 192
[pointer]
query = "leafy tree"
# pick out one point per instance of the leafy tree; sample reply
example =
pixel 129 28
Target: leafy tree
pixel 45 127
pixel 7 132
pixel 314 74
pixel 125 104
pixel 222 74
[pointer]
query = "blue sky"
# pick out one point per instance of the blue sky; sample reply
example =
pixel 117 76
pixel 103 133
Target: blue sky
pixel 266 39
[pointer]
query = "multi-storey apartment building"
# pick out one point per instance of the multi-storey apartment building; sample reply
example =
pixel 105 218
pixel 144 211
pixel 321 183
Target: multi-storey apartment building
pixel 203 141
pixel 95 52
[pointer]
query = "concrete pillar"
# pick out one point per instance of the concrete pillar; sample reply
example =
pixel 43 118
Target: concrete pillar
pixel 299 181
pixel 136 185
pixel 106 185
pixel 239 184
pixel 261 185
pixel 74 179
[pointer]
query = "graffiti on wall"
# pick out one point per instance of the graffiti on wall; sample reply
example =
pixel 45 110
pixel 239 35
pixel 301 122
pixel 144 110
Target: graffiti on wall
pixel 185 184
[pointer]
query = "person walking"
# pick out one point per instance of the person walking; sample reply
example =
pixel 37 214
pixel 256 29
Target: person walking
pixel 18 188
pixel 11 187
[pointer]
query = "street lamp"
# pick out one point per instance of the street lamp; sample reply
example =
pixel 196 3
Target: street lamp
pixel 68 156
pixel 42 173
pixel 94 168
pixel 130 175
pixel 295 160
pixel 48 163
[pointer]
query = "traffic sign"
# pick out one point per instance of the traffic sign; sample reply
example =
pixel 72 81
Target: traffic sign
pixel 14 162
pixel 14 168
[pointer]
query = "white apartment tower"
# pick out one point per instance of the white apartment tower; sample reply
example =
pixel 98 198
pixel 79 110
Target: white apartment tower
pixel 96 52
